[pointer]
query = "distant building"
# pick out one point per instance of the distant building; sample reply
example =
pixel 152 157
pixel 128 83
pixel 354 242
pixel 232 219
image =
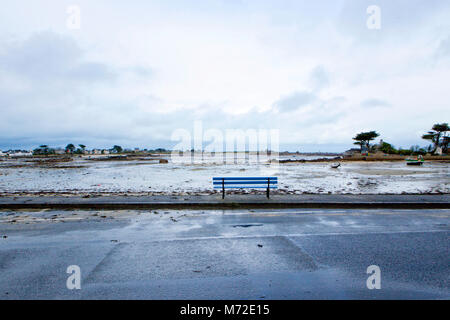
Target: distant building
pixel 19 153
pixel 60 151
pixel 96 151
pixel 378 146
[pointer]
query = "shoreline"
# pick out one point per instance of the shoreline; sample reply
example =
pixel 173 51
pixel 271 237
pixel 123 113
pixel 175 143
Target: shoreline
pixel 157 157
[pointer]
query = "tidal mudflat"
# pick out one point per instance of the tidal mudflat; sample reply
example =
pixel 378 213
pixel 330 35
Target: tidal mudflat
pixel 147 176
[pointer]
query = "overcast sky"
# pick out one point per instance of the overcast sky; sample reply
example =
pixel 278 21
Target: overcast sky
pixel 135 71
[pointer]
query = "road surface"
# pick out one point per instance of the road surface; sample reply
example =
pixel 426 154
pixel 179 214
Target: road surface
pixel 225 254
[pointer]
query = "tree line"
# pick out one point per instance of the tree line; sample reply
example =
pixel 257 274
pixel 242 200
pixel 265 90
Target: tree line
pixel 70 149
pixel 81 149
pixel 437 135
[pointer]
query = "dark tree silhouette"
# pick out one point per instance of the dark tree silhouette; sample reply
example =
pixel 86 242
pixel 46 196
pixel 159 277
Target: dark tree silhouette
pixel 364 138
pixel 438 136
pixel 70 148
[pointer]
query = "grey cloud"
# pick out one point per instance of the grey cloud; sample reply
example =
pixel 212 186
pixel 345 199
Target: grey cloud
pixel 319 78
pixel 443 49
pixel 338 100
pixel 91 72
pixel 51 57
pixel 40 56
pixel 52 100
pixel 142 71
pixel 371 103
pixel 294 101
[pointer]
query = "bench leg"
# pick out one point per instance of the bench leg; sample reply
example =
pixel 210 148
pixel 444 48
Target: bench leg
pixel 223 189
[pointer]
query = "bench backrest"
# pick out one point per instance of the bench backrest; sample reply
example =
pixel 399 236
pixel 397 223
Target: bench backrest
pixel 245 182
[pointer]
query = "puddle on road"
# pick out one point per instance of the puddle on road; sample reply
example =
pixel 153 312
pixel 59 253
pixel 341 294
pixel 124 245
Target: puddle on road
pixel 247 225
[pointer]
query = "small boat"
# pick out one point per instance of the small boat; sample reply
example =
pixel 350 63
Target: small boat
pixel 336 165
pixel 415 162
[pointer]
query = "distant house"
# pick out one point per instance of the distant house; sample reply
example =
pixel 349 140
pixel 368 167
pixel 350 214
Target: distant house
pixel 105 151
pixel 2 154
pixel 96 151
pixel 378 146
pixel 60 151
pixel 19 153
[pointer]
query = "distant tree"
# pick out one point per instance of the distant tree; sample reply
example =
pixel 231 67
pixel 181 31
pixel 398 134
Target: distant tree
pixel 433 137
pixel 364 138
pixel 438 136
pixel 388 148
pixel 359 143
pixel 43 150
pixel 80 150
pixel 117 149
pixel 404 152
pixel 416 150
pixel 445 142
pixel 441 128
pixel 70 148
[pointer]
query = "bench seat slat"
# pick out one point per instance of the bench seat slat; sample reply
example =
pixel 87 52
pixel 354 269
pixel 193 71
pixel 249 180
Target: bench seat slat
pixel 248 187
pixel 244 182
pixel 245 178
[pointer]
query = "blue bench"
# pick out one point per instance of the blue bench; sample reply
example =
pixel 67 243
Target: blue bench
pixel 245 183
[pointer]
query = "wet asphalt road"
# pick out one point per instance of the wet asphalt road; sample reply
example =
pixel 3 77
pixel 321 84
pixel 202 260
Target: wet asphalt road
pixel 242 254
